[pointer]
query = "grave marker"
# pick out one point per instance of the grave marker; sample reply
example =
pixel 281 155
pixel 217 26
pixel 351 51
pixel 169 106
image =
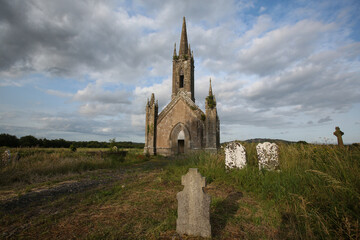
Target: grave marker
pixel 193 206
pixel 339 134
pixel 268 156
pixel 235 155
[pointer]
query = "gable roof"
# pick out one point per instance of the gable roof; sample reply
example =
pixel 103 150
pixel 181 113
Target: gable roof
pixel 180 96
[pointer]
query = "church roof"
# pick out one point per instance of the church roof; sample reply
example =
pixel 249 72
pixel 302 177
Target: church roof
pixel 181 96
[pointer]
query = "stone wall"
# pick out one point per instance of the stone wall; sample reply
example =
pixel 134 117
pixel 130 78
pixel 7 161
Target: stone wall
pixel 179 117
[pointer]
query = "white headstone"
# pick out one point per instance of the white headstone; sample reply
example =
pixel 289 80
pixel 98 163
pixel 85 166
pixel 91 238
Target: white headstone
pixel 268 156
pixel 235 155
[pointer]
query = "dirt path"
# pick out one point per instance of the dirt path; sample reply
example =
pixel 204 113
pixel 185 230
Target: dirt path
pixel 39 195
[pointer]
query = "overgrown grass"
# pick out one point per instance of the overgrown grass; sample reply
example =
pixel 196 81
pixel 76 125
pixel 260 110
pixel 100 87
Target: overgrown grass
pixel 315 195
pixel 35 163
pixel 317 191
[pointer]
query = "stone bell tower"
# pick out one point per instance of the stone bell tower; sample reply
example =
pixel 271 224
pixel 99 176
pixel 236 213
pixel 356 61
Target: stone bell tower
pixel 183 67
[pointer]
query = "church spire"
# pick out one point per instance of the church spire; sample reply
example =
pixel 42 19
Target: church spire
pixel 174 49
pixel 183 41
pixel 210 89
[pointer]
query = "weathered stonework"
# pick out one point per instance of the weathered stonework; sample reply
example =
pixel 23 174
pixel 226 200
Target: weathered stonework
pixel 193 206
pixel 268 156
pixel 6 157
pixel 339 134
pixel 235 155
pixel 182 126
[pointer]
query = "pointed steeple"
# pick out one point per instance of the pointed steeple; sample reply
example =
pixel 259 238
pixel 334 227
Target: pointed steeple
pixel 183 40
pixel 174 49
pixel 152 100
pixel 210 89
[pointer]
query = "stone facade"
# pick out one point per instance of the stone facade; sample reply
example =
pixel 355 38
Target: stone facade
pixel 182 126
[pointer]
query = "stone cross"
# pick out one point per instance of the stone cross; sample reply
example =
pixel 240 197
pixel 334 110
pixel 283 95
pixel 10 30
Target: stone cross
pixel 193 206
pixel 235 155
pixel 268 156
pixel 339 134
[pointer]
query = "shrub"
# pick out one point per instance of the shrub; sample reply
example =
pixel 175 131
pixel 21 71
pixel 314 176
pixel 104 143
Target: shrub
pixel 211 101
pixel 72 148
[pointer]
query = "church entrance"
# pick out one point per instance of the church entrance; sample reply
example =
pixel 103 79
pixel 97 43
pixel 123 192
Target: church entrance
pixel 181 146
pixel 181 142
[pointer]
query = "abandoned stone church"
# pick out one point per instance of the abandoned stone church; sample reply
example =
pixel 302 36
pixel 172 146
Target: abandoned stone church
pixel 182 126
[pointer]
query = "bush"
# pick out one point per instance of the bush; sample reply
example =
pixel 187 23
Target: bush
pixel 73 148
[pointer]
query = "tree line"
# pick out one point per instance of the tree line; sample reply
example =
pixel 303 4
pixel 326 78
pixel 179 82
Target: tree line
pixel 8 140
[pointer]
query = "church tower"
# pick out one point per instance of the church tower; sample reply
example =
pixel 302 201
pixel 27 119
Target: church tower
pixel 183 67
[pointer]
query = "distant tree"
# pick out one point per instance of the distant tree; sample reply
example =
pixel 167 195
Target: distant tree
pixel 28 141
pixel 8 140
pixel 72 148
pixel 112 143
pixel 302 142
pixel 46 143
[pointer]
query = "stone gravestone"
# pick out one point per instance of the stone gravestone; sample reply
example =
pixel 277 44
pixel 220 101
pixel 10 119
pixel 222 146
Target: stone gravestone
pixel 6 157
pixel 268 156
pixel 235 155
pixel 339 134
pixel 193 206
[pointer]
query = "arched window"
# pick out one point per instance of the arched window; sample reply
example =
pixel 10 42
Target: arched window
pixel 181 84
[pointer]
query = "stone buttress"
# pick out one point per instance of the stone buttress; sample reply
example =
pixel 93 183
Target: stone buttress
pixel 212 122
pixel 150 125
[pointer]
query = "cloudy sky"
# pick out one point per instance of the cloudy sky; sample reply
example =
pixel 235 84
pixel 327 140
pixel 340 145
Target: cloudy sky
pixel 83 70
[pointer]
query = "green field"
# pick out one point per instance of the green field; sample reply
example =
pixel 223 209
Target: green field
pixel 88 194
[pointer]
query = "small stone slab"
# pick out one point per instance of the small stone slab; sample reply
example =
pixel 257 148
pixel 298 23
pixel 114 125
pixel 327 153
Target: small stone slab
pixel 193 206
pixel 235 155
pixel 6 157
pixel 268 156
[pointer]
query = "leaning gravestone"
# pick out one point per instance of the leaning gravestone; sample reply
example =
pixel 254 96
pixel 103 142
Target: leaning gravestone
pixel 268 156
pixel 193 206
pixel 235 155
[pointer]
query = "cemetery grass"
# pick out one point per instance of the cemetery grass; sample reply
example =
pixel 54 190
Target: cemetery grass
pixel 58 194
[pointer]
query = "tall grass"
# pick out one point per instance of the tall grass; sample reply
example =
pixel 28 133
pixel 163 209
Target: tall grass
pixel 44 163
pixel 317 190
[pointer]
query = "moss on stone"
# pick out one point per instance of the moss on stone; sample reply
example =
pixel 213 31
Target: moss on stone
pixel 211 101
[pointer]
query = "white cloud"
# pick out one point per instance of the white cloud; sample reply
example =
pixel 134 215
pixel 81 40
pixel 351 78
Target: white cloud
pixel 58 93
pixel 288 67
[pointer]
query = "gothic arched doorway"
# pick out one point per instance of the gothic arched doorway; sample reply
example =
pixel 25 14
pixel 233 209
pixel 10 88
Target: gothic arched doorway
pixel 181 142
pixel 179 139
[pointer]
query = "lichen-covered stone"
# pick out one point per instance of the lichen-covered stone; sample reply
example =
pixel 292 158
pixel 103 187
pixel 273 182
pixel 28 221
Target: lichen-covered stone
pixel 235 155
pixel 193 206
pixel 6 157
pixel 268 156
